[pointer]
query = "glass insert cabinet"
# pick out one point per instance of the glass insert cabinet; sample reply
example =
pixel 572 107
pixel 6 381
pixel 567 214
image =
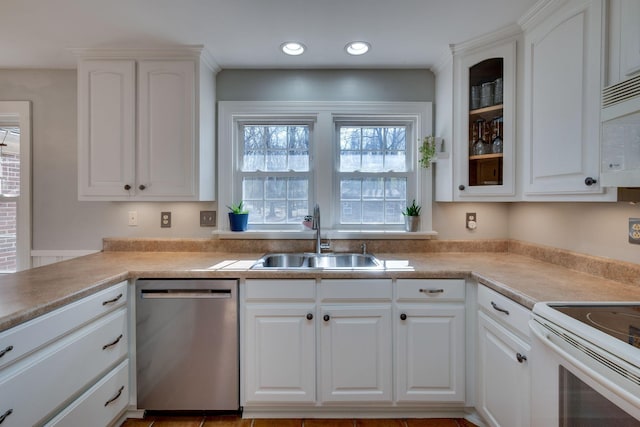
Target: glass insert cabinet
pixel 486 122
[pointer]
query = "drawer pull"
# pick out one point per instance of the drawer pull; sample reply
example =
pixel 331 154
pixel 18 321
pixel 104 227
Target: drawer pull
pixel 496 307
pixel 5 415
pixel 111 301
pixel 106 346
pixel 403 316
pixel 114 398
pixel 521 357
pixel 432 291
pixel 6 350
pixel 326 318
pixel 309 316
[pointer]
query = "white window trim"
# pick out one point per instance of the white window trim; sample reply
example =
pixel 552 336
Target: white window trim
pixel 21 110
pixel 324 115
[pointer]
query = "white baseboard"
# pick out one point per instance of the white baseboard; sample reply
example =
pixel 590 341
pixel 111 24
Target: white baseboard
pixel 50 256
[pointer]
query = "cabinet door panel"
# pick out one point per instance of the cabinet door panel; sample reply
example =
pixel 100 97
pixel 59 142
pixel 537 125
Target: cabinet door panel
pixel 503 381
pixel 356 354
pixel 563 59
pixel 106 127
pixel 430 354
pixel 279 354
pixel 166 155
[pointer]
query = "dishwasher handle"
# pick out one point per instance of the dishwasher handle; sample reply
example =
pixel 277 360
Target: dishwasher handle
pixel 185 293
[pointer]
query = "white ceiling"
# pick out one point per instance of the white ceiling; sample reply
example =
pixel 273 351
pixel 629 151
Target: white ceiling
pixel 248 33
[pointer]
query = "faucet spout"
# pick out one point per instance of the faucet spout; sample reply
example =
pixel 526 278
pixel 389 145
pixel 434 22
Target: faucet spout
pixel 315 225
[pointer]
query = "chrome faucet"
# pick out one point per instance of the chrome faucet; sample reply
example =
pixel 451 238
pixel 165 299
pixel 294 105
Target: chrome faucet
pixel 315 225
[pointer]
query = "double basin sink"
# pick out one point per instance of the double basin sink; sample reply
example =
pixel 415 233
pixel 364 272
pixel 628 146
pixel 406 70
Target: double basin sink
pixel 311 261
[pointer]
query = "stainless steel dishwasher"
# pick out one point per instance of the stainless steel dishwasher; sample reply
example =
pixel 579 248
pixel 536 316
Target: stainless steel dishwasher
pixel 187 345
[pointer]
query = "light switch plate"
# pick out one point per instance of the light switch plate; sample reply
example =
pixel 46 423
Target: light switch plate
pixel 207 218
pixel 634 231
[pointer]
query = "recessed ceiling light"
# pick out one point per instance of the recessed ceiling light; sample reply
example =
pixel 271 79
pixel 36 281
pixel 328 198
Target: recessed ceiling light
pixel 292 48
pixel 357 48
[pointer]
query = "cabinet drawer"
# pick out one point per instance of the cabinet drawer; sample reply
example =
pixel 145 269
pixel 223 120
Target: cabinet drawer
pixel 280 290
pixel 99 405
pixel 36 387
pixel 363 290
pixel 430 290
pixel 31 335
pixel 507 311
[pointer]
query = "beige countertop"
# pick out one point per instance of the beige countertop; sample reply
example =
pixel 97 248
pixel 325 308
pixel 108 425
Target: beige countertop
pixel 34 292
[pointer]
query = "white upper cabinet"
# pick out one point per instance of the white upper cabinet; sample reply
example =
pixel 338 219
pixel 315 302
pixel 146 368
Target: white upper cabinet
pixel 145 125
pixel 563 63
pixel 624 40
pixel 106 127
pixel 478 131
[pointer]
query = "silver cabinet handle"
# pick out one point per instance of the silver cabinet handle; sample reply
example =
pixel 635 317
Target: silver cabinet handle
pixel 106 346
pixel 521 357
pixel 111 301
pixel 6 350
pixel 114 398
pixel 5 415
pixel 498 308
pixel 432 291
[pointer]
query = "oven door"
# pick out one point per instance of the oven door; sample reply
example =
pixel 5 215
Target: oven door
pixel 570 386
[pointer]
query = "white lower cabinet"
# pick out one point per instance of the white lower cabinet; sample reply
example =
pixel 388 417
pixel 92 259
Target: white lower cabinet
pixel 45 375
pixel 503 369
pixel 349 343
pixel 280 354
pixel 279 363
pixel 99 405
pixel 430 340
pixel 355 353
pixel 430 359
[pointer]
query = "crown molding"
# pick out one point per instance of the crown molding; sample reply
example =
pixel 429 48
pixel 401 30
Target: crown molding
pixel 500 35
pixel 538 12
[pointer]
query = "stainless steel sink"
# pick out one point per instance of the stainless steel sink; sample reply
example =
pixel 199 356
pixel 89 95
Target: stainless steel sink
pixel 308 261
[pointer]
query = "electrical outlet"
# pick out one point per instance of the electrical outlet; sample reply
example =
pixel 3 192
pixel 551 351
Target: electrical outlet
pixel 634 231
pixel 472 221
pixel 207 218
pixel 165 219
pixel 133 218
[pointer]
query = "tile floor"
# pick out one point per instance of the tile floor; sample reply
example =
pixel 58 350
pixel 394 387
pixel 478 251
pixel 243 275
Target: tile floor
pixel 233 421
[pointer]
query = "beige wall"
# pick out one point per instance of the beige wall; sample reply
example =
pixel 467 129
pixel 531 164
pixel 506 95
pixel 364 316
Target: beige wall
pixel 61 222
pixel 599 229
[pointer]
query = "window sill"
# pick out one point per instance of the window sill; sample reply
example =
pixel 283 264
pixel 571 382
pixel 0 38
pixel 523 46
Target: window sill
pixel 326 234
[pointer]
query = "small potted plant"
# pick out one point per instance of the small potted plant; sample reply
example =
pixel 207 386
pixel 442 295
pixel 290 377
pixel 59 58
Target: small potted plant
pixel 238 217
pixel 427 151
pixel 412 217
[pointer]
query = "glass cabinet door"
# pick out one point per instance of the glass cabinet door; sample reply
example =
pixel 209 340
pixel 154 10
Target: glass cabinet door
pixel 486 135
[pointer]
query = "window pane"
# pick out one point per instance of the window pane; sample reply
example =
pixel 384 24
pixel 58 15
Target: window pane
pixel 373 149
pixel 276 200
pixel 275 148
pixel 351 212
pixel 372 200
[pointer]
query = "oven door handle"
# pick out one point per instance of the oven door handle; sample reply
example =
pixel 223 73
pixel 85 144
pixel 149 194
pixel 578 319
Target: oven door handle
pixel 535 327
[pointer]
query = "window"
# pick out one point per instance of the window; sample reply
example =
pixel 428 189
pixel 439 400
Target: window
pixel 373 170
pixel 274 172
pixel 356 160
pixel 15 209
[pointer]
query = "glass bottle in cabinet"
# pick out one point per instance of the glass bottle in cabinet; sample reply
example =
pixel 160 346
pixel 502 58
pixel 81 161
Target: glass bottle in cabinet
pixel 486 118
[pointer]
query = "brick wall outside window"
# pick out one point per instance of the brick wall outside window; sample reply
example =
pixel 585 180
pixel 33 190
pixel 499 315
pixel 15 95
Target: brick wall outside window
pixel 10 181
